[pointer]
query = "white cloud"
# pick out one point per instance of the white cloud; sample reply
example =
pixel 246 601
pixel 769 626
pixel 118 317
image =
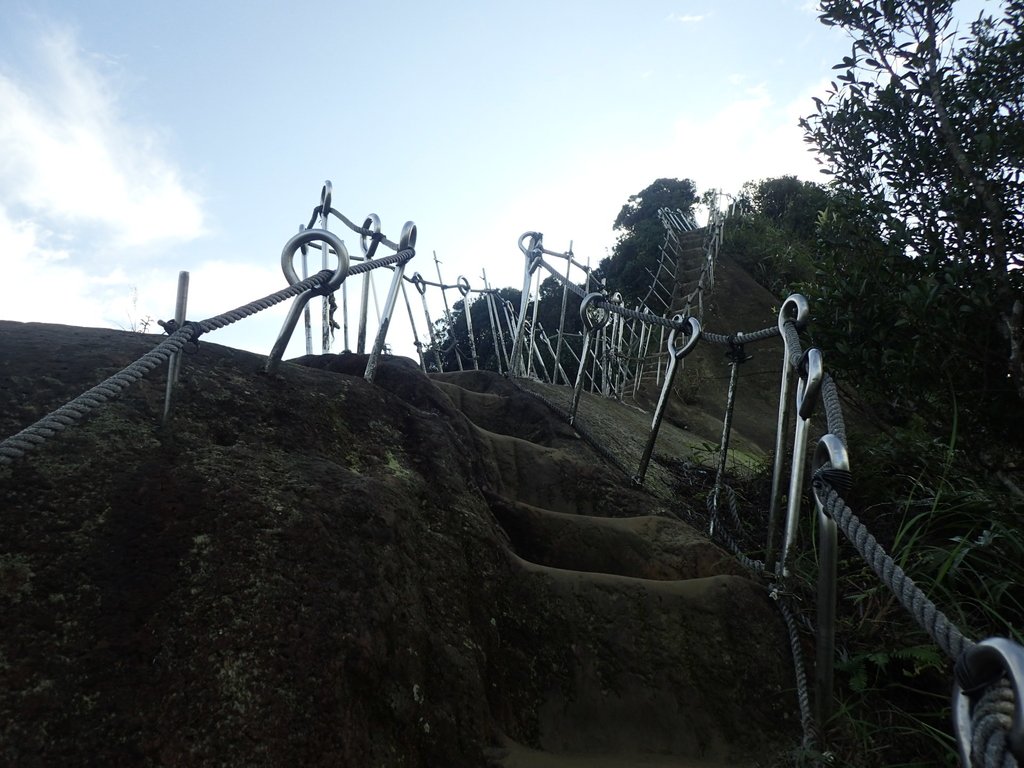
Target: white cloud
pixel 41 285
pixel 687 18
pixel 68 154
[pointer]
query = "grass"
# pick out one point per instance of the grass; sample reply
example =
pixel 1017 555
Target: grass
pixel 958 533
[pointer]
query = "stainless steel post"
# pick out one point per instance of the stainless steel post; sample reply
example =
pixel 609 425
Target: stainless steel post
pixel 369 250
pixel 561 317
pixel 675 354
pixel 174 364
pixel 533 327
pixel 736 356
pixel 796 310
pixel 412 325
pixel 448 313
pixel 463 285
pixel 807 392
pixel 407 241
pixel 594 319
pixel 533 256
pixel 830 450
pixel 307 317
pixel 325 301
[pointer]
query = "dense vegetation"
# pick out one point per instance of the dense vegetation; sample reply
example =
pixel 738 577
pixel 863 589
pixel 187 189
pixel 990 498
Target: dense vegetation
pixel 911 257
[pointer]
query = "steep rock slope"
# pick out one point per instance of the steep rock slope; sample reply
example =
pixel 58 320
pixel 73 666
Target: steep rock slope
pixel 307 569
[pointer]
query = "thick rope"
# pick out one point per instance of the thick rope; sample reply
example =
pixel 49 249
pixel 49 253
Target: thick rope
pixel 941 630
pixel 833 409
pixel 757 567
pixel 740 338
pixel 75 410
pixel 991 720
pixel 803 693
pixel 385 261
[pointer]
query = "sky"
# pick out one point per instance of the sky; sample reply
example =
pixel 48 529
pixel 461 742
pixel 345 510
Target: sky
pixel 138 139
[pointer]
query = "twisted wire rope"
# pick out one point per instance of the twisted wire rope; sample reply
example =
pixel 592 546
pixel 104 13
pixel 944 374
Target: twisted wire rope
pixel 757 567
pixel 75 410
pixel 942 631
pixel 803 692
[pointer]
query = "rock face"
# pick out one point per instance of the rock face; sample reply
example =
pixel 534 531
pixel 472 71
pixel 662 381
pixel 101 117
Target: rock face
pixel 306 569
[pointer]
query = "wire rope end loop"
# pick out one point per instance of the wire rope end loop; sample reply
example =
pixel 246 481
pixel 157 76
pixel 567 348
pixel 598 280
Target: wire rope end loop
pixel 594 318
pixel 690 327
pixel 407 241
pixel 796 310
pixel 308 236
pixel 326 192
pixel 831 463
pixel 419 283
pixel 535 240
pixel 372 224
pixel 977 668
pixel 812 373
pixel 463 285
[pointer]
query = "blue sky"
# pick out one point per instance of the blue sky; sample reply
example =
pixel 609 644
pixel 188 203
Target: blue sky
pixel 139 139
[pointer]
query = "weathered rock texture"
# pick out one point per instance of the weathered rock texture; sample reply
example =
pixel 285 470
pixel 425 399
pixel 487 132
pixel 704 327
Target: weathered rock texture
pixel 307 569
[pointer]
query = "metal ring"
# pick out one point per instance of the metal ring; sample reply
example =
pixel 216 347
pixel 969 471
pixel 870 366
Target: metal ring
pixel 616 299
pixel 976 669
pixel 325 198
pixel 794 309
pixel 308 236
pixel 591 323
pixel 421 286
pixel 372 223
pixel 807 399
pixel 408 238
pixel 691 341
pixel 830 450
pixel 537 238
pixel 463 285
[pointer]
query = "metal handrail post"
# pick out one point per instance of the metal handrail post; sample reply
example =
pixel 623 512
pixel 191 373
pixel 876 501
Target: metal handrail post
pixel 412 324
pixel 795 309
pixel 830 450
pixel 448 313
pixel 675 354
pixel 533 256
pixel 592 321
pixel 807 391
pixel 174 364
pixel 736 357
pixel 325 300
pixel 561 317
pixel 407 242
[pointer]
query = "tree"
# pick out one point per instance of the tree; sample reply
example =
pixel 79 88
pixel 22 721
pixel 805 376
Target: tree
pixel 926 127
pixel 641 235
pixel 774 235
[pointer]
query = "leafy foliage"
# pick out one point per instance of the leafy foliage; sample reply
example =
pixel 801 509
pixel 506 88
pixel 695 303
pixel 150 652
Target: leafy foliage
pixel 925 128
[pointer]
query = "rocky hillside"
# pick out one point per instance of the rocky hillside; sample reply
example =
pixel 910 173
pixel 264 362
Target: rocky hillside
pixel 306 569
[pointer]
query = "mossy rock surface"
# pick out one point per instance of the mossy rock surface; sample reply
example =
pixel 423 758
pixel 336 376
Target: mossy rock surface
pixel 307 569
